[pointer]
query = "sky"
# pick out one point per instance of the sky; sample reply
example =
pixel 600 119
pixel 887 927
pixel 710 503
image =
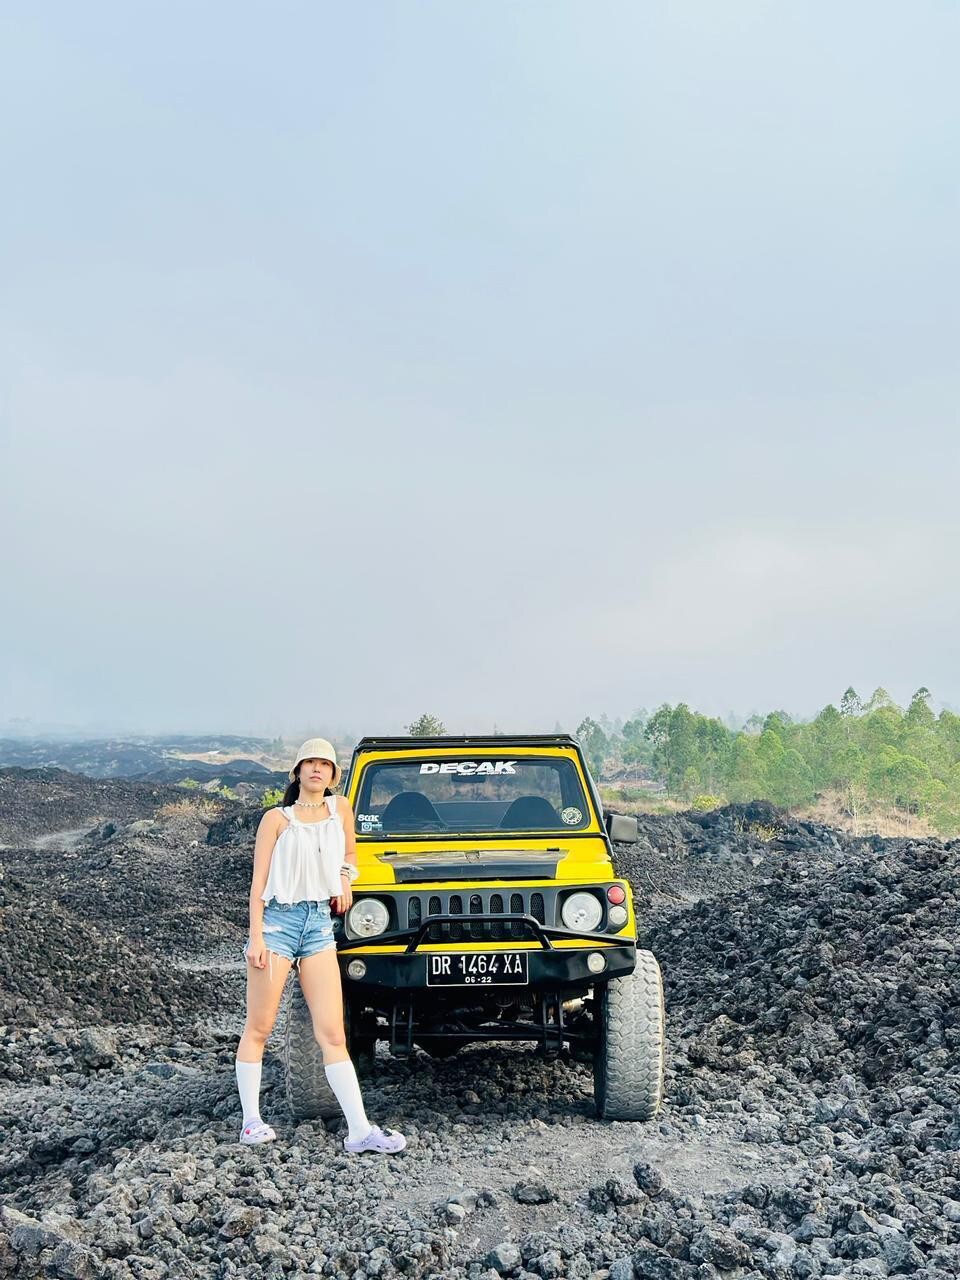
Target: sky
pixel 513 362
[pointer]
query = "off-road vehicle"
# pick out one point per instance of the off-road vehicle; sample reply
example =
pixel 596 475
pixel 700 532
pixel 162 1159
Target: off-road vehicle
pixel 487 909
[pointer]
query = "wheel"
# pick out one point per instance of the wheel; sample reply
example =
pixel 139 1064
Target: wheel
pixel 308 1093
pixel 309 1096
pixel 628 1066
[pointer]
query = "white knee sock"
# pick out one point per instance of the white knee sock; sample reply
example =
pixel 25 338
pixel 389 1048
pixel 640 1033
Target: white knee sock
pixel 248 1082
pixel 342 1079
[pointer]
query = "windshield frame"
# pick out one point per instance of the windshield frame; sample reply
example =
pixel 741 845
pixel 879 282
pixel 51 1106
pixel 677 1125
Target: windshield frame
pixel 594 827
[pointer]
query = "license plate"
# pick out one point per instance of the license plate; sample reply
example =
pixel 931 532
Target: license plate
pixel 477 969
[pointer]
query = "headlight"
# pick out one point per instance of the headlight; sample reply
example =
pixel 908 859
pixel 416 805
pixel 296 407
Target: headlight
pixel 582 912
pixel 368 917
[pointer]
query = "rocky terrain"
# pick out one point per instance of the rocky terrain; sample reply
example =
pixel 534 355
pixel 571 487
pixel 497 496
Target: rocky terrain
pixel 811 1128
pixel 169 760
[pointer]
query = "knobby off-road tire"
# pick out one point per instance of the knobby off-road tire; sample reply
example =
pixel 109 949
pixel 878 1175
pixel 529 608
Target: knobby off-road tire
pixel 628 1067
pixel 309 1096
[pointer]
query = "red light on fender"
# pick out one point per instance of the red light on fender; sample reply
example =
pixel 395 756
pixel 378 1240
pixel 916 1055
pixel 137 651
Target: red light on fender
pixel 616 894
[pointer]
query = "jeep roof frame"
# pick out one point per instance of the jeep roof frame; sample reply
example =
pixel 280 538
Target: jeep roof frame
pixel 505 740
pixel 473 740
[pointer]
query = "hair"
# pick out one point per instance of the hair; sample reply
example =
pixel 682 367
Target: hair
pixel 292 793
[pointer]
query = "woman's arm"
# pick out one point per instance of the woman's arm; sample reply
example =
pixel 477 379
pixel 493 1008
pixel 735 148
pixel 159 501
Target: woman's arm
pixel 271 824
pixel 344 901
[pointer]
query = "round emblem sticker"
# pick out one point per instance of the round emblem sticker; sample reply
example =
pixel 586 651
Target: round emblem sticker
pixel 571 816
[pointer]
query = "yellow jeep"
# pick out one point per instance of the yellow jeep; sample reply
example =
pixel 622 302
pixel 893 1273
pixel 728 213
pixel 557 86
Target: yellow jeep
pixel 487 909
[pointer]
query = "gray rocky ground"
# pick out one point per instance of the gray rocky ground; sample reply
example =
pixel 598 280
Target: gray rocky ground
pixel 812 1124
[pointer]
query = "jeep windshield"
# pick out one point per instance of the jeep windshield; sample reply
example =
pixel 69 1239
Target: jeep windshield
pixel 499 794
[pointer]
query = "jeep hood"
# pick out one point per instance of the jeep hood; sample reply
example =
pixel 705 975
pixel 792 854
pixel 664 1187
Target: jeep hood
pixel 474 864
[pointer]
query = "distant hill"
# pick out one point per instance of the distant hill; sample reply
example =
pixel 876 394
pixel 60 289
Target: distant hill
pixel 155 759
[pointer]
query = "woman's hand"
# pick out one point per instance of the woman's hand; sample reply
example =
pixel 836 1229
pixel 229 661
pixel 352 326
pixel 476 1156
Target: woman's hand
pixel 257 953
pixel 344 900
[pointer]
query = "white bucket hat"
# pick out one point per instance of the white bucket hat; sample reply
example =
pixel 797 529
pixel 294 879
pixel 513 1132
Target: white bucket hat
pixel 317 749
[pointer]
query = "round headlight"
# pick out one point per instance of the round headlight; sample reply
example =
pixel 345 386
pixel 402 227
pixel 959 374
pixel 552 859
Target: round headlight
pixel 356 969
pixel 617 917
pixel 596 962
pixel 582 912
pixel 368 917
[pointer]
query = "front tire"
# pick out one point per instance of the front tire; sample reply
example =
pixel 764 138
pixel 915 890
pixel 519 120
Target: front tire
pixel 309 1096
pixel 628 1065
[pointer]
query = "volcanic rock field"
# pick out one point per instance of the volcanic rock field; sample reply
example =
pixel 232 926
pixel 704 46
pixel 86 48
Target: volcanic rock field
pixel 811 1125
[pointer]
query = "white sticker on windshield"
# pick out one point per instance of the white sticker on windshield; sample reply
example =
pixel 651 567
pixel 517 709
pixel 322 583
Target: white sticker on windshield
pixel 369 822
pixel 571 816
pixel 470 768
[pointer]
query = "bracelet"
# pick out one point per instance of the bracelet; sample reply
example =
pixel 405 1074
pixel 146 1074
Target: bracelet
pixel 350 871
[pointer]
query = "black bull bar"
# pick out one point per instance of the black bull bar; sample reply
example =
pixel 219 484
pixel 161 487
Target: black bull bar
pixel 547 1024
pixel 413 937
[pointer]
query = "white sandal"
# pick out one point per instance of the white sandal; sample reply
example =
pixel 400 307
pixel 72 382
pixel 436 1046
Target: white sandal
pixel 251 1135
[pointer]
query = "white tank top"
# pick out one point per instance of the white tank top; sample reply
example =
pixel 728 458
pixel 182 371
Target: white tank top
pixel 307 858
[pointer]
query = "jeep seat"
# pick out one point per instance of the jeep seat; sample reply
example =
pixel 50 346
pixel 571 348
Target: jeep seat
pixel 409 809
pixel 530 813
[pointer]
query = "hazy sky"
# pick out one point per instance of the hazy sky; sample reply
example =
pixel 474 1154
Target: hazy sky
pixel 512 361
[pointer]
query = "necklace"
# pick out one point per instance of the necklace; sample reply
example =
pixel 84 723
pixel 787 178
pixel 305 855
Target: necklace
pixel 309 804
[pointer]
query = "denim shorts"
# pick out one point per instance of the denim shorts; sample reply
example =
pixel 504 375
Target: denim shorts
pixel 296 930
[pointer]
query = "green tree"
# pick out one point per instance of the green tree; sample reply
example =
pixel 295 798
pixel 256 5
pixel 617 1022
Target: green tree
pixel 657 727
pixel 948 735
pixel 873 755
pixel 790 781
pixel 828 740
pixel 919 713
pixel 908 778
pixel 635 749
pixel 594 742
pixel 427 726
pixel 942 802
pixel 879 698
pixel 745 777
pixel 678 755
pixel 850 704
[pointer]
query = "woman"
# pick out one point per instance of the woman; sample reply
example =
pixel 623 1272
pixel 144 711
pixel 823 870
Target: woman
pixel 305 860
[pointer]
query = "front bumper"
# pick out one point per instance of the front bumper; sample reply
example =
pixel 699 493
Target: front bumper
pixel 550 968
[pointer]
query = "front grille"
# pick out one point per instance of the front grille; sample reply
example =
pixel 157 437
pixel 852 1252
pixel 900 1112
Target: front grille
pixel 456 909
pixel 475 931
pixel 482 902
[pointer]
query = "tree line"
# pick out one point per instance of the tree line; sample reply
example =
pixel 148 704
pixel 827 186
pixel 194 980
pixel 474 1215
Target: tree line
pixel 874 754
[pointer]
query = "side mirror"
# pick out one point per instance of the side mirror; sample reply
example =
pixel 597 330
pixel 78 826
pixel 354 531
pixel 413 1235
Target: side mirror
pixel 623 828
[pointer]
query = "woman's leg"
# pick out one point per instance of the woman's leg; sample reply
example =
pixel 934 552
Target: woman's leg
pixel 264 992
pixel 320 980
